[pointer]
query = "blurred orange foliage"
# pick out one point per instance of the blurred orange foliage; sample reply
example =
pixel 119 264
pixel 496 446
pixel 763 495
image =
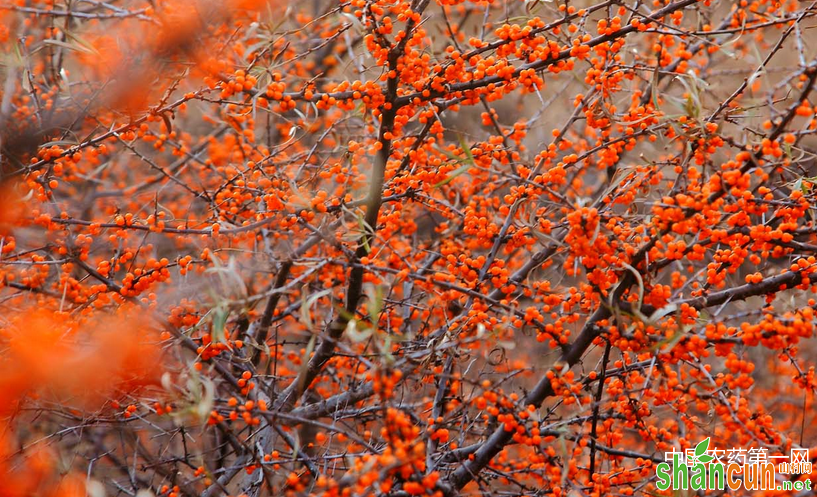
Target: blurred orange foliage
pixel 50 358
pixel 83 363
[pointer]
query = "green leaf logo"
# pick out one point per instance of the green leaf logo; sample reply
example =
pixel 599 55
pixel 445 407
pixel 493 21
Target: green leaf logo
pixel 700 451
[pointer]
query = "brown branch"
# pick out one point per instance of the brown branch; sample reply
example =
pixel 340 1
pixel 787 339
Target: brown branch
pixel 374 201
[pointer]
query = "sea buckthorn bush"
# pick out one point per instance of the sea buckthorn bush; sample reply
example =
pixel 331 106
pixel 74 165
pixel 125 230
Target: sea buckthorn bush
pixel 401 247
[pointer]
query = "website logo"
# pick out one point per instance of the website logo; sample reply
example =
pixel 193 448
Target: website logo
pixel 703 468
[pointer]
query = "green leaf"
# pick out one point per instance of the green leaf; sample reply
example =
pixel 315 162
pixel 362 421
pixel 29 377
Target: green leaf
pixel 307 355
pixel 466 150
pixel 375 294
pixel 461 170
pixel 18 55
pixel 59 143
pixel 205 402
pixel 654 87
pixel 701 448
pixel 220 315
pixel 90 48
pixel 354 335
pixel 68 46
pixel 469 162
pixel 705 458
pixel 307 301
pixel 364 226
